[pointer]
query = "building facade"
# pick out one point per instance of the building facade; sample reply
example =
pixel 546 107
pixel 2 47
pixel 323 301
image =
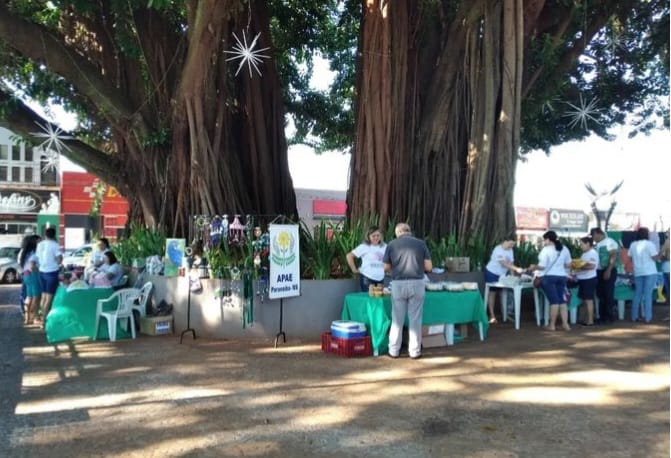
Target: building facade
pixel 29 189
pixel 90 208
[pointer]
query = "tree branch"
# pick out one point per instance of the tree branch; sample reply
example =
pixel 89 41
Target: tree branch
pixel 22 120
pixel 41 45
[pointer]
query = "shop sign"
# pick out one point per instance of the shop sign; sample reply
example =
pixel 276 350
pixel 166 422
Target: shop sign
pixel 16 201
pixel 568 220
pixel 531 218
pixel 285 278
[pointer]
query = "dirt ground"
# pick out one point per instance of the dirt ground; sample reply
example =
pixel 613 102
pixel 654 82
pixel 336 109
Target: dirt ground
pixel 591 392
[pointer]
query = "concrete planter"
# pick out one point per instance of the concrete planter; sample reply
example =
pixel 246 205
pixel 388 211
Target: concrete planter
pixel 305 316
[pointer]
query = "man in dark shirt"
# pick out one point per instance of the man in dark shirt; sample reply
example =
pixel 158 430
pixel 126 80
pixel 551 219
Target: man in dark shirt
pixel 407 259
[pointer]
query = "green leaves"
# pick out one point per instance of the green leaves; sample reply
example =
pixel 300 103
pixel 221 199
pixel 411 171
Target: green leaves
pixel 526 253
pixel 318 250
pixel 142 242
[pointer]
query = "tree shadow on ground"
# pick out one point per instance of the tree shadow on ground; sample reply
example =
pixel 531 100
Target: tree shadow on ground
pixel 589 392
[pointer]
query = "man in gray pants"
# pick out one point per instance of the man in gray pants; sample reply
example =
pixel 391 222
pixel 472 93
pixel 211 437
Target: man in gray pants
pixel 406 258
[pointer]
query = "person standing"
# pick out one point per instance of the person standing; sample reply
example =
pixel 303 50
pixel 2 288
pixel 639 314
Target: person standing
pixel 50 258
pixel 31 276
pixel 666 269
pixel 644 255
pixel 371 252
pixel 500 262
pixel 554 260
pixel 586 276
pixel 606 273
pixel 407 259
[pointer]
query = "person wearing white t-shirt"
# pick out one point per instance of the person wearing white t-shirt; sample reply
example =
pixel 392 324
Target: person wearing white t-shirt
pixel 50 258
pixel 371 252
pixel 606 273
pixel 666 268
pixel 586 276
pixel 500 262
pixel 554 260
pixel 644 256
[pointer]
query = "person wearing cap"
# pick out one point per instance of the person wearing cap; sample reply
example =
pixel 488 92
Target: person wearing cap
pixel 140 273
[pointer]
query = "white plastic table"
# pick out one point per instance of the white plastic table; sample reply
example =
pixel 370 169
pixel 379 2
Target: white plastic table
pixel 517 299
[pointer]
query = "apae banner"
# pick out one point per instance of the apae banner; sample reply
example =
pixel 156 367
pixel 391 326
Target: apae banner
pixel 285 278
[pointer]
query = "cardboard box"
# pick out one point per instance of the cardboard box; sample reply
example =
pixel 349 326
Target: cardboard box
pixel 433 329
pixel 434 336
pixel 156 325
pixel 458 264
pixel 435 340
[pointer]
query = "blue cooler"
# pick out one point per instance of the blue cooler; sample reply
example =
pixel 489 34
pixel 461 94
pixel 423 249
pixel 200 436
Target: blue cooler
pixel 348 329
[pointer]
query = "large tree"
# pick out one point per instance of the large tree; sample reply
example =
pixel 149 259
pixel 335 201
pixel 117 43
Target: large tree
pixel 162 115
pixel 450 93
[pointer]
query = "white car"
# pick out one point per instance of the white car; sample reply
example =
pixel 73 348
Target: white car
pixel 79 257
pixel 10 271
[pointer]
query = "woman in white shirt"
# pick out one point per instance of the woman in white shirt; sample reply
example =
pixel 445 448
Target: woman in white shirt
pixel 643 255
pixel 586 276
pixel 554 261
pixel 371 252
pixel 500 262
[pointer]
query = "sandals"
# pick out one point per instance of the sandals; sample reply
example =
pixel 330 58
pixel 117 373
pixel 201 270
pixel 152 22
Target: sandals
pixel 493 320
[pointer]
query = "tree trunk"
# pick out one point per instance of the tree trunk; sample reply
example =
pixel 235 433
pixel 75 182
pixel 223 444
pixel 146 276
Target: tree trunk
pixel 438 116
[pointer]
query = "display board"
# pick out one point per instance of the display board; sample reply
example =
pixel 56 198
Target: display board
pixel 284 261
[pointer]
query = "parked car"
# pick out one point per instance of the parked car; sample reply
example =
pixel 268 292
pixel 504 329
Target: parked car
pixel 79 257
pixel 10 271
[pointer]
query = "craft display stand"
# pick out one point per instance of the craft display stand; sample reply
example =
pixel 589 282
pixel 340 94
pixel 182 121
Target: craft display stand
pixel 188 329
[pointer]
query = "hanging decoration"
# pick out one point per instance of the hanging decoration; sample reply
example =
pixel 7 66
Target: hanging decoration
pixel 247 53
pixel 224 227
pixel 236 232
pixel 583 112
pixel 52 145
pixel 215 231
pixel 241 249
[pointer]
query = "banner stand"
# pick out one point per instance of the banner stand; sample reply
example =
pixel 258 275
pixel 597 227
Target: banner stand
pixel 281 333
pixel 188 314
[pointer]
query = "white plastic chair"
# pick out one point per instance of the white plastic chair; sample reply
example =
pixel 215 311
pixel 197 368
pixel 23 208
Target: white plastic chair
pixel 124 311
pixel 123 282
pixel 141 304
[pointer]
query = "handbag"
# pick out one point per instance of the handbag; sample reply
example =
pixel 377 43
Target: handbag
pixel 538 281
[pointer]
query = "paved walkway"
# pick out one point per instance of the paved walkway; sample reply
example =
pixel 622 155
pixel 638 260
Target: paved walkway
pixel 593 392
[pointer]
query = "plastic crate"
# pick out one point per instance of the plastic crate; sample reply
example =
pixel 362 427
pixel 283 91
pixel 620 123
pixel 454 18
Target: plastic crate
pixel 360 346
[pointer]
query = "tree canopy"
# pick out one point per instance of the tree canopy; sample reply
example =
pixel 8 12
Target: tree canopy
pixel 154 92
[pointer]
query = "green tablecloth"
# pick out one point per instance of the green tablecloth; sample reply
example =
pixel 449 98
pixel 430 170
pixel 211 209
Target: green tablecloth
pixel 73 314
pixel 439 308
